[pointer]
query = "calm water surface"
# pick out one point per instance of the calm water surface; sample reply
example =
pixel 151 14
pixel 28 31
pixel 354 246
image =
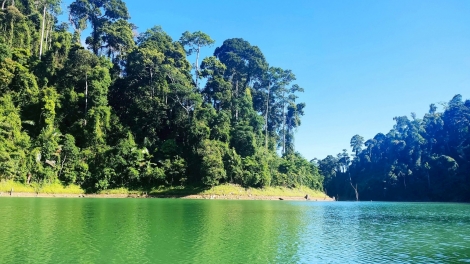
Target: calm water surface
pixel 35 230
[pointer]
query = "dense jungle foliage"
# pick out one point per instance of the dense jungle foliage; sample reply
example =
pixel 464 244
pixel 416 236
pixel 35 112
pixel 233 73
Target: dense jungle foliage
pixel 419 159
pixel 129 109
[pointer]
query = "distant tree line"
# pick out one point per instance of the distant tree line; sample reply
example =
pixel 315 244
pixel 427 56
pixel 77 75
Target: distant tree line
pixel 424 159
pixel 130 110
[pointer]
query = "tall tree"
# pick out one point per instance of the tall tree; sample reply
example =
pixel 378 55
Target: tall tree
pixel 51 7
pixel 217 91
pixel 245 64
pixel 100 14
pixel 194 42
pixel 356 144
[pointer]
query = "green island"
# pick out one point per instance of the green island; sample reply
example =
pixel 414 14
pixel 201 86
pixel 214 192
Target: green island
pixel 130 114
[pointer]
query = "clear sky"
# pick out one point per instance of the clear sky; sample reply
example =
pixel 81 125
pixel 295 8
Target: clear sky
pixel 360 62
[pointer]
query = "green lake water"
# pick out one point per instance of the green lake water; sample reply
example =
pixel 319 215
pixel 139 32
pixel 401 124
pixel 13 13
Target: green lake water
pixel 42 230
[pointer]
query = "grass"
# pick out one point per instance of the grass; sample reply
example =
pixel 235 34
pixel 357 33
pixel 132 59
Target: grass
pixel 177 191
pixel 114 191
pixel 234 189
pixel 54 188
pixel 6 186
pixel 121 190
pixel 57 188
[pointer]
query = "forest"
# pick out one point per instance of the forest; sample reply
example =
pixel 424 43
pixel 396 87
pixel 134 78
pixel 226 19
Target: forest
pixel 120 107
pixel 124 107
pixel 424 159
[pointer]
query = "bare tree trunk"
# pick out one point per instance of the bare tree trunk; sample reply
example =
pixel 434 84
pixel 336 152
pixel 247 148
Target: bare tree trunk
pixel 355 190
pixel 267 110
pixel 42 31
pixel 3 4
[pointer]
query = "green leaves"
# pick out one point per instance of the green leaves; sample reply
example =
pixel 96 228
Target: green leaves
pixel 418 159
pixel 195 41
pixel 119 39
pixel 243 140
pixel 73 167
pixel 128 114
pixel 13 142
pixel 356 143
pixel 102 15
pixel 244 61
pixel 212 165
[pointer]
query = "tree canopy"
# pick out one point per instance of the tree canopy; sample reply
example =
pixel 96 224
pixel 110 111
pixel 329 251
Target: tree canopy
pixel 127 110
pixel 424 159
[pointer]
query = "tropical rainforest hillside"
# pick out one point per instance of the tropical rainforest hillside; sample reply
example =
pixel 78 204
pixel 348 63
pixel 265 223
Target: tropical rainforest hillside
pixel 129 110
pixel 419 159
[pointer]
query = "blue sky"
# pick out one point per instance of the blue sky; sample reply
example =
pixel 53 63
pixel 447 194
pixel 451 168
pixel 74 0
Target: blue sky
pixel 360 62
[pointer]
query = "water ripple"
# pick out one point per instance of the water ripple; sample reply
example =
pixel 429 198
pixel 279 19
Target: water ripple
pixel 186 231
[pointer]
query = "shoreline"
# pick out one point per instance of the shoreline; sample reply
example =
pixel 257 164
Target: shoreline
pixel 191 196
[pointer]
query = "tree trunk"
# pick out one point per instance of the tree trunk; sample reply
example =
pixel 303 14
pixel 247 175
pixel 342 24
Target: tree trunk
pixel 62 166
pixel 151 82
pixel 355 190
pixel 197 65
pixel 86 95
pixel 236 96
pixel 3 4
pixel 46 41
pixel 288 128
pixel 283 126
pixel 42 31
pixel 12 32
pixel 267 111
pixel 48 37
pixel 94 47
pixel 284 134
pixel 29 178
